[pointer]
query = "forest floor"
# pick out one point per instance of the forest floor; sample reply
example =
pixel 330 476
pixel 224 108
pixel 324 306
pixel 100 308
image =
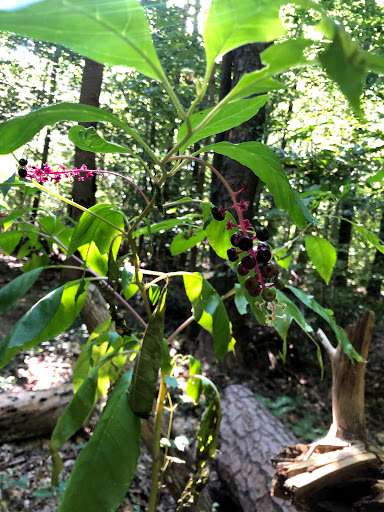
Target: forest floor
pixel 294 391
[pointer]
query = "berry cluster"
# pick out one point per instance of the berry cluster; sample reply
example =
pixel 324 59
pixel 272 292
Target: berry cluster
pixel 263 278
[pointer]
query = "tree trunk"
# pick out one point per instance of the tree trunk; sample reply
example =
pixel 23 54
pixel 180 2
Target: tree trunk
pixel 241 60
pixel 344 242
pixel 83 192
pixel 377 269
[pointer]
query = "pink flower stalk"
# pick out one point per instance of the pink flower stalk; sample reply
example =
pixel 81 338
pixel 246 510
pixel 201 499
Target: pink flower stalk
pixel 55 175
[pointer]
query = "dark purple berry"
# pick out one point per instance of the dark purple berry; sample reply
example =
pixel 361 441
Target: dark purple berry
pixel 268 294
pixel 22 172
pixel 245 243
pixel 248 262
pixel 232 254
pixel 270 269
pixel 280 283
pixel 241 270
pixel 23 162
pixel 264 255
pixel 262 233
pixel 217 215
pixel 252 286
pixel 235 239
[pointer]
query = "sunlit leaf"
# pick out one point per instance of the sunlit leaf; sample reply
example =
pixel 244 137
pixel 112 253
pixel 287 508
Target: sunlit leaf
pixel 18 131
pixel 115 32
pixel 230 23
pixel 89 140
pixel 186 240
pixel 229 116
pixel 92 229
pixel 194 385
pixel 265 164
pixel 277 59
pixel 322 254
pixel 50 316
pixel 346 65
pixel 209 311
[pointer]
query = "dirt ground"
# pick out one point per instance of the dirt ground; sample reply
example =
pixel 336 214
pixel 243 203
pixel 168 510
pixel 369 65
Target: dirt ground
pixel 294 391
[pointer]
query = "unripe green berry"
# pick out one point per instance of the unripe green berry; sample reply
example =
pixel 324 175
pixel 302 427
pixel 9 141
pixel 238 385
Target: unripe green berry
pixel 268 294
pixel 280 283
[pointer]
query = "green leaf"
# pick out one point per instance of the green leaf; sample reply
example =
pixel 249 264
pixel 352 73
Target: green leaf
pixel 105 468
pixel 194 386
pixel 6 185
pixel 91 229
pixel 341 337
pixel 9 240
pixel 368 236
pixel 241 302
pixel 154 293
pixel 374 62
pixel 113 269
pixel 49 317
pixel 376 178
pixel 147 363
pixel 219 237
pixel 36 261
pixel 208 431
pixel 282 259
pixel 18 131
pixel 89 140
pixel 186 240
pixel 209 311
pixel 346 65
pixel 13 291
pixel 265 164
pixel 292 312
pixel 278 58
pixel 114 32
pixel 76 412
pixel 229 116
pixel 230 24
pixel 322 254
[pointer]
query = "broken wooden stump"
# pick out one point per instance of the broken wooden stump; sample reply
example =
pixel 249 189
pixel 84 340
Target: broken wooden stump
pixel 341 472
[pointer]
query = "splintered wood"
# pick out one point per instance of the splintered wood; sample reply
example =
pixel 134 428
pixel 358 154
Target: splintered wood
pixel 327 479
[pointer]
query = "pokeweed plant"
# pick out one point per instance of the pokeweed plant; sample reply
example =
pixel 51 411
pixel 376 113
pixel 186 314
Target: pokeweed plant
pixel 117 32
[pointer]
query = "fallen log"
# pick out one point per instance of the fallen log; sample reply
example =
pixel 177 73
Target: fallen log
pixel 29 414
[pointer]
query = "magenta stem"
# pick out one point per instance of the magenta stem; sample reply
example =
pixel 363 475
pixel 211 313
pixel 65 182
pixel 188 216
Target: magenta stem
pixel 121 299
pixel 225 183
pixel 180 328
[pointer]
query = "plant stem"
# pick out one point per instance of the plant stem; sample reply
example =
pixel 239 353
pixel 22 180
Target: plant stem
pixel 225 183
pixel 153 497
pixel 76 205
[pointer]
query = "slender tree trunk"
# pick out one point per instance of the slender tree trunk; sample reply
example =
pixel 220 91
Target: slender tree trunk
pixel 344 242
pixel 83 192
pixel 47 138
pixel 377 269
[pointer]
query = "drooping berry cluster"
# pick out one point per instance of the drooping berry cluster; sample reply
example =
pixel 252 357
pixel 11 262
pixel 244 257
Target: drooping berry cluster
pixel 256 260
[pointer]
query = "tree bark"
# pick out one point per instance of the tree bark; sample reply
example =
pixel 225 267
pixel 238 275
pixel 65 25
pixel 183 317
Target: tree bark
pixel 249 435
pixel 377 269
pixel 83 192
